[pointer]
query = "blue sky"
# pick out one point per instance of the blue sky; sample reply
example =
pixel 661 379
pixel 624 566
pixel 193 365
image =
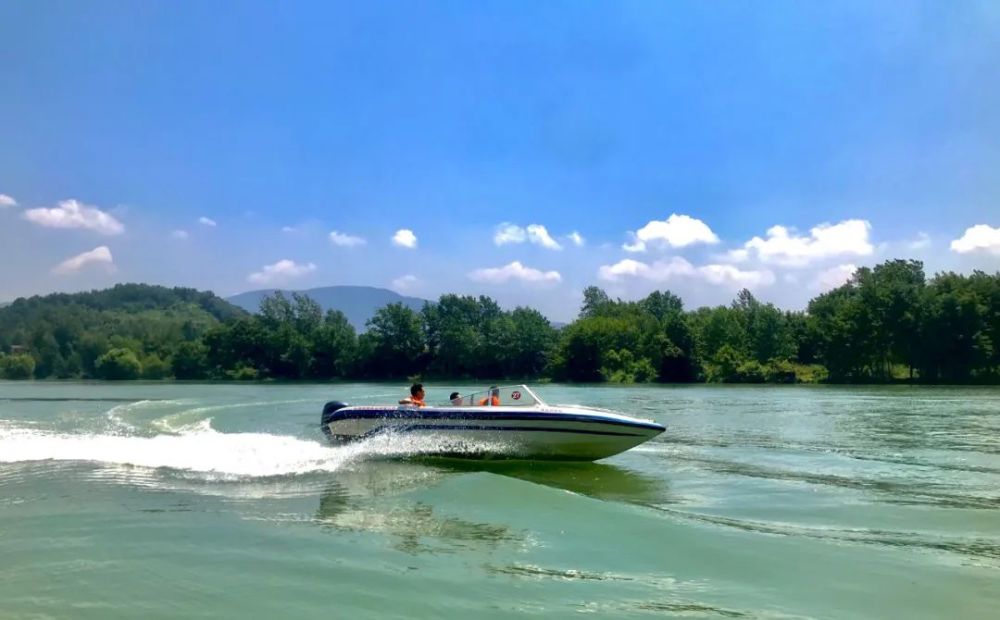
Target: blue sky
pixel 863 131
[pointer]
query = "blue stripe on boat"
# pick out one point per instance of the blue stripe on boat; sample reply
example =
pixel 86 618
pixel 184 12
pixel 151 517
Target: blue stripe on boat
pixel 454 427
pixel 393 414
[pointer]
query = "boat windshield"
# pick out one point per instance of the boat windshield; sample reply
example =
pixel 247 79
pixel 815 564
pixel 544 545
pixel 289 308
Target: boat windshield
pixel 506 396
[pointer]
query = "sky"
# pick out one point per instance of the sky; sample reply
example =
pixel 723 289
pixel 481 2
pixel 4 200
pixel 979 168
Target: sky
pixel 521 150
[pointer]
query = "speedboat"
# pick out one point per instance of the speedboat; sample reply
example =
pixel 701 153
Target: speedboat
pixel 509 422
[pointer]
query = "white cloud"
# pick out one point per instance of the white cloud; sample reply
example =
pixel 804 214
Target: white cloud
pixel 509 233
pixel 405 238
pixel 727 275
pixel 515 271
pixel 923 241
pixel 7 201
pixel 979 238
pixel 179 234
pixel 660 271
pixel 344 240
pixel 782 247
pixel 287 229
pixel 635 246
pixel 405 283
pixel 98 256
pixel 204 221
pixel 74 214
pixel 738 255
pixel 282 270
pixel 834 277
pixel 539 236
pixel 576 239
pixel 677 231
pixel 675 267
pixel 532 233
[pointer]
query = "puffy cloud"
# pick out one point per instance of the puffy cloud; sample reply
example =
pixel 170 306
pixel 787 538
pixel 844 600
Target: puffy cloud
pixel 576 239
pixel 979 238
pixel 344 240
pixel 405 238
pixel 782 247
pixel 509 233
pixel 834 276
pixel 737 255
pixel 515 271
pixel 204 221
pixel 74 214
pixel 923 241
pixel 179 234
pixel 675 267
pixel 539 236
pixel 282 270
pixel 727 275
pixel 98 256
pixel 660 271
pixel 405 283
pixel 7 201
pixel 677 231
pixel 533 233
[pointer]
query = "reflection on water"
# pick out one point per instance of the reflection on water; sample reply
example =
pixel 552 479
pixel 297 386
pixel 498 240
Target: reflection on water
pixel 374 500
pixel 375 496
pixel 604 481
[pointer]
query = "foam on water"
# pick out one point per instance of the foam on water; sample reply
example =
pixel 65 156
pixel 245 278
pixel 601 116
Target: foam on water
pixel 200 448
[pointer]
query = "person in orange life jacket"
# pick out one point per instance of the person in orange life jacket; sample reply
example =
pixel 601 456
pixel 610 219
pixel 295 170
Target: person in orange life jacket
pixel 416 396
pixel 493 399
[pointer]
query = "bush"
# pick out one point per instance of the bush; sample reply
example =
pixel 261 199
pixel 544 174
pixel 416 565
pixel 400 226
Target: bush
pixel 811 373
pixel 17 366
pixel 780 371
pixel 623 367
pixel 243 373
pixel 154 368
pixel 750 371
pixel 190 361
pixel 118 364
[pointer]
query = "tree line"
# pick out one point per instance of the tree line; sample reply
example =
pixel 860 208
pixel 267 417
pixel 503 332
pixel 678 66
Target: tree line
pixel 887 323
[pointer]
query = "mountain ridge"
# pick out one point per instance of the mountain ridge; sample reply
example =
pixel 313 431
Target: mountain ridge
pixel 358 303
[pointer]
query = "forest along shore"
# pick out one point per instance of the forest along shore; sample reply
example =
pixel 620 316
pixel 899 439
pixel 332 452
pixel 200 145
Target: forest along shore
pixel 886 324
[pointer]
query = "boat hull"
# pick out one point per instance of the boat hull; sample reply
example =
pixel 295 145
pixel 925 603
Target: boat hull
pixel 549 433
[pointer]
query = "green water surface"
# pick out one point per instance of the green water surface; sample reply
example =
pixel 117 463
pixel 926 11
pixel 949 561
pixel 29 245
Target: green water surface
pixel 222 501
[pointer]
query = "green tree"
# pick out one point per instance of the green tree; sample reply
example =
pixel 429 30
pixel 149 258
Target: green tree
pixel 190 361
pixel 17 366
pixel 154 367
pixel 118 364
pixel 394 343
pixel 335 350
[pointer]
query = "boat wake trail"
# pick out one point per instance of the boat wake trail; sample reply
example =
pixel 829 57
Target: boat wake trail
pixel 201 449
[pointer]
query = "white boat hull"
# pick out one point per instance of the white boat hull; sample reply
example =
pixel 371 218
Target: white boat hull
pixel 545 433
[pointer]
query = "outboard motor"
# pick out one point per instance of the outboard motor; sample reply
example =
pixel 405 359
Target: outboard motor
pixel 328 410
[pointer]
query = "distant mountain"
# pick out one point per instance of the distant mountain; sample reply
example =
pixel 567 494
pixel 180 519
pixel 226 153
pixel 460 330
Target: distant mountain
pixel 358 303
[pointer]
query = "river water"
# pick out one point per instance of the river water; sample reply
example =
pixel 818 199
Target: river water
pixel 222 501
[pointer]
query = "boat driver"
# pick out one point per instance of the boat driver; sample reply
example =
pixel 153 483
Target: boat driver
pixel 456 399
pixel 416 396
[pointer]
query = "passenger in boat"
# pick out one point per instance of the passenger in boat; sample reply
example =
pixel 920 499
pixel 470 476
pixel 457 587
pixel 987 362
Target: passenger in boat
pixel 455 398
pixel 493 399
pixel 416 396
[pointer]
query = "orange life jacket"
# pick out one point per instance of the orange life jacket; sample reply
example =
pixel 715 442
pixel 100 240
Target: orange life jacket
pixel 494 400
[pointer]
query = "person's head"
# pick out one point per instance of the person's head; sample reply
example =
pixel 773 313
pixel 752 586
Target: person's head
pixel 417 389
pixel 494 390
pixel 455 398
